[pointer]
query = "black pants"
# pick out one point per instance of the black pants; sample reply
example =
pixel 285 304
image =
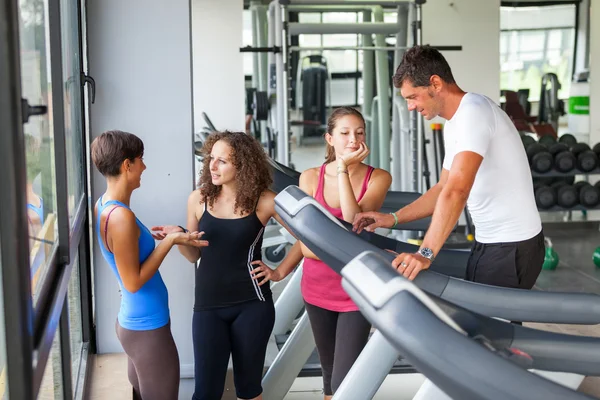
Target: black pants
pixel 511 264
pixel 340 337
pixel 152 362
pixel 242 330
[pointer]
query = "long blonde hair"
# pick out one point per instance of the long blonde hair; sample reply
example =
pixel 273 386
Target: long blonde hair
pixel 332 122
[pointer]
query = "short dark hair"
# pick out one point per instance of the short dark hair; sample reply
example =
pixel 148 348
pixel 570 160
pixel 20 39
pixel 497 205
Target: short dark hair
pixel 419 64
pixel 332 122
pixel 111 148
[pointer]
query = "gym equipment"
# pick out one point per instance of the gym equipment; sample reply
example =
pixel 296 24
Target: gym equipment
pixel 567 139
pixel 587 160
pixel 550 107
pixel 596 149
pixel 313 74
pixel 325 236
pixel 527 140
pixel 596 257
pixel 589 196
pixel 566 195
pixel 539 157
pixel 550 256
pixel 564 160
pixel 545 197
pixel 260 105
pixel 547 140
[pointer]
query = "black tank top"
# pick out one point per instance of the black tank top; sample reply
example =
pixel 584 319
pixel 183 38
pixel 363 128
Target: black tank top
pixel 223 276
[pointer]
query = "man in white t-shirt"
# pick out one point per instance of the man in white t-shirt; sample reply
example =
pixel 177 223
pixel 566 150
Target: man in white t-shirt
pixel 485 168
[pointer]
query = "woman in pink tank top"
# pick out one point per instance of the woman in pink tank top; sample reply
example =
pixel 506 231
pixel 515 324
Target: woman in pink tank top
pixel 345 186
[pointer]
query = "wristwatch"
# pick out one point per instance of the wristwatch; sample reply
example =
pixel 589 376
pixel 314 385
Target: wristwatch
pixel 427 253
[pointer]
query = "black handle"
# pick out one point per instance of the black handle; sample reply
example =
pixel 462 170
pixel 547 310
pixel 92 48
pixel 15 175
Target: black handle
pixel 90 81
pixel 29 111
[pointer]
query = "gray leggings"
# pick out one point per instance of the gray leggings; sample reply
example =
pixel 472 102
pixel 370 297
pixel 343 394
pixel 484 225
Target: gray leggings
pixel 152 362
pixel 340 337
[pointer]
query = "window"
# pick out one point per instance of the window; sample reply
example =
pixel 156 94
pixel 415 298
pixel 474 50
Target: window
pixel 51 386
pixel 75 321
pixel 248 60
pixel 3 366
pixel 72 103
pixel 533 42
pixel 39 140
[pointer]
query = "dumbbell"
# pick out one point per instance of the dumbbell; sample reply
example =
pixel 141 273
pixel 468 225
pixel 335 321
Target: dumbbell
pixel 547 140
pixel 589 196
pixel 539 157
pixel 596 149
pixel 567 139
pixel 527 140
pixel 587 160
pixel 566 195
pixel 545 196
pixel 564 160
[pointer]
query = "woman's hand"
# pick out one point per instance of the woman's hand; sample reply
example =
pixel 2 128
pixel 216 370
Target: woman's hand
pixel 264 272
pixel 188 239
pixel 356 157
pixel 160 232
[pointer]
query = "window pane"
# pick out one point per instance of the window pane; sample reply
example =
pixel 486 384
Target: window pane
pixel 51 387
pixel 309 40
pixel 71 59
pixel 309 17
pixel 39 139
pixel 74 299
pixel 339 17
pixel 4 383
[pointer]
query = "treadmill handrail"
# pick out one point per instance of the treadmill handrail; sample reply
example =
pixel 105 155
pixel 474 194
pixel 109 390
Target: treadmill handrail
pixel 454 362
pixel 323 234
pixel 284 176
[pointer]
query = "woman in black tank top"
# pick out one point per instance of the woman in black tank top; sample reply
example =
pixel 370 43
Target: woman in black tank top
pixel 233 309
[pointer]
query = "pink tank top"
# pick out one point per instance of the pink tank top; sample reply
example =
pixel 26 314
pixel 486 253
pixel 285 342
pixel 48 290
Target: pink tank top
pixel 321 286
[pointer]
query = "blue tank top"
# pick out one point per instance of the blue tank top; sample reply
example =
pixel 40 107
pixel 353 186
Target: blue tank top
pixel 148 308
pixel 38 210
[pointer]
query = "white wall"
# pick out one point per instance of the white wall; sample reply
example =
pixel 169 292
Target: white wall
pixel 140 58
pixel 218 65
pixel 475 25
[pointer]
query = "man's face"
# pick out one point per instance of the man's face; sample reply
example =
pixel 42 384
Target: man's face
pixel 421 98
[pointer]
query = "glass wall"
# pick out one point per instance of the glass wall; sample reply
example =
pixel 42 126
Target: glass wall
pixel 533 42
pixel 45 199
pixel 36 87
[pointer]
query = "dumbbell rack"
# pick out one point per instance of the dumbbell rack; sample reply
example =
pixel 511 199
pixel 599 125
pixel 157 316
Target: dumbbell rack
pixel 557 174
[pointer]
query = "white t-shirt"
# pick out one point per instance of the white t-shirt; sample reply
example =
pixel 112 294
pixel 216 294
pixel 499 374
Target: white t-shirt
pixel 502 201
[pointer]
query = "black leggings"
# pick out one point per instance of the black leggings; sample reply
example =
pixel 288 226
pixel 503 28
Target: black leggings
pixel 340 337
pixel 152 362
pixel 242 330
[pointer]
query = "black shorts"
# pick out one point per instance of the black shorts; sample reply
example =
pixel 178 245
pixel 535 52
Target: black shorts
pixel 511 264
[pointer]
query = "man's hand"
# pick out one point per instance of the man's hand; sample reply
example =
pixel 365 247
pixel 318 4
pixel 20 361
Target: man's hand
pixel 371 220
pixel 410 264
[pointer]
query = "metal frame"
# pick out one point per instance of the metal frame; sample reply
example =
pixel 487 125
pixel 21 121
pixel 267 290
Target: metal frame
pixel 29 335
pixel 14 233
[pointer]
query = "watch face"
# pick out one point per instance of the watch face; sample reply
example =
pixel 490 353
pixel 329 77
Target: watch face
pixel 426 252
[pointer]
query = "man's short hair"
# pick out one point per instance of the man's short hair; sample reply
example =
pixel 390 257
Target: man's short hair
pixel 419 64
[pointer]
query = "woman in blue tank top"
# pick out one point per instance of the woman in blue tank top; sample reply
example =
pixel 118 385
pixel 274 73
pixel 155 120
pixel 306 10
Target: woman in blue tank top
pixel 233 309
pixel 142 324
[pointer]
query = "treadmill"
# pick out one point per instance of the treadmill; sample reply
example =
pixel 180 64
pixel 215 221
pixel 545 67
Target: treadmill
pixel 329 239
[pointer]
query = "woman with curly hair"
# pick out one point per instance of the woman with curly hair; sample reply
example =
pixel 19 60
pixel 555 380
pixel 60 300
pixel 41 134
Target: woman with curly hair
pixel 233 311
